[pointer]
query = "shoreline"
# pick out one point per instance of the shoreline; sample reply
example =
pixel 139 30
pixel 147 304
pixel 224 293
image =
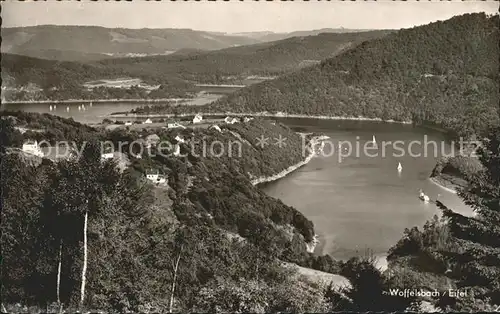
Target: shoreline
pixel 310 246
pixel 314 141
pixel 441 185
pixel 72 101
pixel 257 114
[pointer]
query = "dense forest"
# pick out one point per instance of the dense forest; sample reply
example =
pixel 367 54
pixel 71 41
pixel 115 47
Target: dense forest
pixel 209 237
pixel 37 79
pixel 231 65
pixel 31 79
pixel 457 251
pixel 137 230
pixel 442 74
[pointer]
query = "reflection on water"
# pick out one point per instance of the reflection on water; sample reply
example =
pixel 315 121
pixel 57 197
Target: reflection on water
pixel 363 202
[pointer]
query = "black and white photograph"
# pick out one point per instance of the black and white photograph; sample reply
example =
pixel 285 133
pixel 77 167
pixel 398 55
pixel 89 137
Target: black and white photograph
pixel 250 156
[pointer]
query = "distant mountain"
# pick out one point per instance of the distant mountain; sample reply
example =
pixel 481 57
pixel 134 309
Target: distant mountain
pixel 271 58
pixel 444 73
pixel 79 43
pixel 178 70
pixel 271 36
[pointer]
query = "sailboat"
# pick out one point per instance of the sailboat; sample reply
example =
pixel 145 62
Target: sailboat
pixel 400 168
pixel 90 104
pixel 79 108
pixel 67 108
pixel 373 140
pixel 83 107
pixel 50 107
pixel 55 107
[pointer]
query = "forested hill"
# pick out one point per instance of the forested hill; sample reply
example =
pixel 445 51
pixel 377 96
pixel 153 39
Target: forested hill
pixel 27 78
pixel 271 58
pixel 80 43
pixel 444 73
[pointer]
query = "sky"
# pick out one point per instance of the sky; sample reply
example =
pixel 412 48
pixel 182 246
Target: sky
pixel 236 16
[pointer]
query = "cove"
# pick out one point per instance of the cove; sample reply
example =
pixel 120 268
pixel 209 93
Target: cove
pixel 362 202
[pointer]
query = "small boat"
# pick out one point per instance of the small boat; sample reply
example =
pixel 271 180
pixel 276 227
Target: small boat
pixel 67 109
pixel 400 168
pixel 423 197
pixel 83 107
pixel 55 107
pixel 50 107
pixel 79 108
pixel 373 139
pixel 90 104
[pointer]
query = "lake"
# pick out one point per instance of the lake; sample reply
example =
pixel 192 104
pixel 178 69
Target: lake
pixel 99 111
pixel 361 201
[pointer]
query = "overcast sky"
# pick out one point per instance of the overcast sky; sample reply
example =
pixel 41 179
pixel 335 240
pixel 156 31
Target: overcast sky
pixel 236 16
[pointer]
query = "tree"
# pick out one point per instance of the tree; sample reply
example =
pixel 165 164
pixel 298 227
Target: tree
pixel 79 187
pixel 477 260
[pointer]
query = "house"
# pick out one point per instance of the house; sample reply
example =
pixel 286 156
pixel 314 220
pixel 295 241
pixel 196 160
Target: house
pixel 215 127
pixel 31 147
pixel 247 119
pixel 175 125
pixel 148 121
pixel 197 118
pixel 152 175
pixel 179 139
pixel 107 156
pixel 152 140
pixel 230 120
pixel 128 123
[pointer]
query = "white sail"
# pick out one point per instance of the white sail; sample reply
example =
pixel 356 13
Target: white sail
pixel 400 167
pixel 67 109
pixel 90 104
pixel 373 139
pixel 50 107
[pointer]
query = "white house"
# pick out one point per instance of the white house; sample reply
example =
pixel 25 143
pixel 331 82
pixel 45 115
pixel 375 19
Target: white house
pixel 128 123
pixel 197 118
pixel 179 139
pixel 107 156
pixel 32 147
pixel 247 119
pixel 152 175
pixel 148 121
pixel 230 120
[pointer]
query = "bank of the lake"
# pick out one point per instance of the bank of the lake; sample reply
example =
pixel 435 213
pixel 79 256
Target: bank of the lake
pixel 254 114
pixel 349 201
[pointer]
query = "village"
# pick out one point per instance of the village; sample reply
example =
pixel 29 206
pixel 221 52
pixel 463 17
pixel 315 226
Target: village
pixel 55 153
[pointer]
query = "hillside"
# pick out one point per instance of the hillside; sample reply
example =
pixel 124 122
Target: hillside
pixel 136 229
pixel 272 36
pixel 83 43
pixel 234 64
pixel 27 78
pixel 443 73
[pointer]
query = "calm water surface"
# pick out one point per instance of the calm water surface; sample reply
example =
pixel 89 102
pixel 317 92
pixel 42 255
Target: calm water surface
pixel 99 111
pixel 362 202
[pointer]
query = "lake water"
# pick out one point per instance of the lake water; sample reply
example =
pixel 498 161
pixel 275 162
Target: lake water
pixel 361 202
pixel 99 111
